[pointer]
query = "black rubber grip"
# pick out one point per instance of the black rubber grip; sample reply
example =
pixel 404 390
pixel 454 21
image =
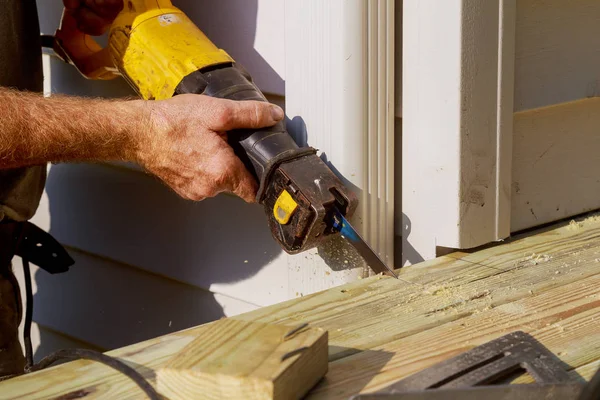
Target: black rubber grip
pixel 260 150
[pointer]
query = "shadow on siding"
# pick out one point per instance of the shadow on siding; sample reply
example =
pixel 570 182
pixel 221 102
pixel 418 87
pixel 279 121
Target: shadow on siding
pixel 409 253
pixel 132 218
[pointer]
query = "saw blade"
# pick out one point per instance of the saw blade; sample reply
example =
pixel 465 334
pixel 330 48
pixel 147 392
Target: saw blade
pixel 349 233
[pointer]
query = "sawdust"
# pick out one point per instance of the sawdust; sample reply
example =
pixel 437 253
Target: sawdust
pixel 456 300
pixel 593 219
pixel 340 256
pixel 575 225
pixel 439 290
pixel 535 259
pixel 513 308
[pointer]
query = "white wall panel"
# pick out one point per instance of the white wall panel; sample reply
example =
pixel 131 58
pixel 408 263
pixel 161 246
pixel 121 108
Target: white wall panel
pixel 557 82
pixel 107 305
pixel 220 244
pixel 340 95
pixel 45 341
pixel 557 52
pixel 556 163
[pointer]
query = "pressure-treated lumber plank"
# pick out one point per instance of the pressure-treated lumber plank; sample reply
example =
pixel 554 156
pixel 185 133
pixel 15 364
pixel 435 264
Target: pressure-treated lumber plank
pixel 96 380
pixel 565 319
pixel 375 316
pixel 445 290
pixel 246 360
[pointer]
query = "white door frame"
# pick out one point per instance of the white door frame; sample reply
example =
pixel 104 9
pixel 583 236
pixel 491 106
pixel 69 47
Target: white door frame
pixel 340 96
pixel 458 83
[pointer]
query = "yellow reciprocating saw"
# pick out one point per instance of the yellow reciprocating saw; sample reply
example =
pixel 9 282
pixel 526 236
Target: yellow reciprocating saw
pixel 162 53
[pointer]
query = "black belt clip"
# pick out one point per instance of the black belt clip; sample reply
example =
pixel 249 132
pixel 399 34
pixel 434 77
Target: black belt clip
pixel 40 248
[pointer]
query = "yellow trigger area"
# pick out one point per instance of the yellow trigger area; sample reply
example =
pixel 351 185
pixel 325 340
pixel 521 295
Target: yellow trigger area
pixel 284 208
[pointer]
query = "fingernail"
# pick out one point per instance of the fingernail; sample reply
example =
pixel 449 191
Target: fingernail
pixel 276 113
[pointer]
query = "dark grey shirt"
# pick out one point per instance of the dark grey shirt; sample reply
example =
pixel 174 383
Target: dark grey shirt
pixel 20 68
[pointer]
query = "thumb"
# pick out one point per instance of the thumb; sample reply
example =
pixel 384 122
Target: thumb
pixel 249 114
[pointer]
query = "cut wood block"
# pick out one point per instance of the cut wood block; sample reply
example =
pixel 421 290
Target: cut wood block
pixel 236 359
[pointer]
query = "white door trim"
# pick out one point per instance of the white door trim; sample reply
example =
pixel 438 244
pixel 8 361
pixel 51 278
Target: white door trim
pixel 458 83
pixel 340 96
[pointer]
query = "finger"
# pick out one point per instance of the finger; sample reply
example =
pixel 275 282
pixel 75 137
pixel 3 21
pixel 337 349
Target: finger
pixel 236 178
pixel 246 186
pixel 91 23
pixel 245 115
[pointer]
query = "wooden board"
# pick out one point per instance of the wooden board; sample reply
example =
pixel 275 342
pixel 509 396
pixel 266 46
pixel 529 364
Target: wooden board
pixel 380 330
pixel 556 163
pixel 247 360
pixel 563 319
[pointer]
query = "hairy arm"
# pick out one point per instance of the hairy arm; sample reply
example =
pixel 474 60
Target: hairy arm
pixel 36 130
pixel 181 140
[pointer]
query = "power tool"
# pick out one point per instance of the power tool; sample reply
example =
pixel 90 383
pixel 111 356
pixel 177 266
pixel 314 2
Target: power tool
pixel 161 53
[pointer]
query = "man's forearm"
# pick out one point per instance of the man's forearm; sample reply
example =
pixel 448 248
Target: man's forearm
pixel 183 140
pixel 36 130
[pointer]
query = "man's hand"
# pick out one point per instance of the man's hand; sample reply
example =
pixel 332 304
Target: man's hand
pixel 187 144
pixel 94 16
pixel 181 140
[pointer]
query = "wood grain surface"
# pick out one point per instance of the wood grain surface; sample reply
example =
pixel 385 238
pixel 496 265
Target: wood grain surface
pixel 546 283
